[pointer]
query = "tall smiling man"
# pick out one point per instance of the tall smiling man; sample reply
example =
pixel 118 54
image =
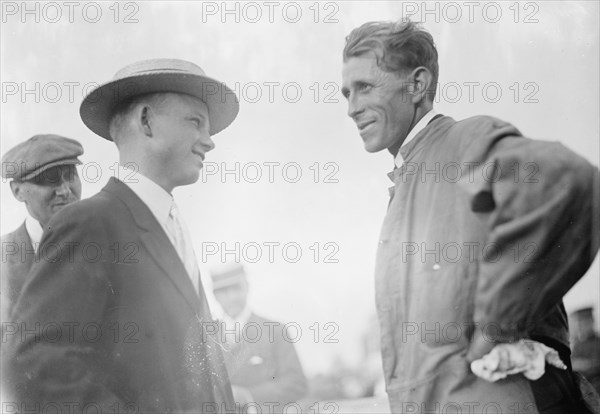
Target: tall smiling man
pixel 469 257
pixel 121 310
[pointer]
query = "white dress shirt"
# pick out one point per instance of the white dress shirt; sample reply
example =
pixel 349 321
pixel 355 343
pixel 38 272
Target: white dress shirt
pixel 158 201
pixel 35 231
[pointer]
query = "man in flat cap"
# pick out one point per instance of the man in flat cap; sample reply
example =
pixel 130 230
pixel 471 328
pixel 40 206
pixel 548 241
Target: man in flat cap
pixel 44 177
pixel 485 232
pixel 264 368
pixel 129 289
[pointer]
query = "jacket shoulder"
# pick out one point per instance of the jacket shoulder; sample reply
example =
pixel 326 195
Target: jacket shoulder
pixel 482 128
pixel 100 217
pixel 484 135
pixel 102 207
pixel 17 235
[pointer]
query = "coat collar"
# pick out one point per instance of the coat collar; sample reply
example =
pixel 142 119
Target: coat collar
pixel 156 241
pixel 25 254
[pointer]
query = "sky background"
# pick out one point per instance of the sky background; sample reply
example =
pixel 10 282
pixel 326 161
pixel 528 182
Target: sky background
pixel 534 64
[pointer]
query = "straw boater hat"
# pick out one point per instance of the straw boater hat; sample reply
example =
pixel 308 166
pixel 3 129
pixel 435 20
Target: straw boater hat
pixel 159 75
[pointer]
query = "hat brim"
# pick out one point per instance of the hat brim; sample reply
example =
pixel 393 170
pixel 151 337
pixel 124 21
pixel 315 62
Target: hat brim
pixel 97 108
pixel 46 167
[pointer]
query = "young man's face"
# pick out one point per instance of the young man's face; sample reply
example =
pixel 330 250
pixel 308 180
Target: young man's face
pixel 49 192
pixel 378 103
pixel 181 139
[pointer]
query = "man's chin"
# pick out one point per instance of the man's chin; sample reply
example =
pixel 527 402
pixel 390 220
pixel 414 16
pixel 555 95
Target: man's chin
pixel 191 178
pixel 372 147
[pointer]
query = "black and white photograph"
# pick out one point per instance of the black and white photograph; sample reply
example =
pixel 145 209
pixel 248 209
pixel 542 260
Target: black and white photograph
pixel 320 207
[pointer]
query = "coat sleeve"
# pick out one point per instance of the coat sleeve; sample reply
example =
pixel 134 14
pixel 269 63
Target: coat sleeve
pixel 538 203
pixel 58 340
pixel 289 383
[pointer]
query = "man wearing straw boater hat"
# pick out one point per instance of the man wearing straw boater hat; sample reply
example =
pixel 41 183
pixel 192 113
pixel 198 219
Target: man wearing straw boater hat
pixel 121 310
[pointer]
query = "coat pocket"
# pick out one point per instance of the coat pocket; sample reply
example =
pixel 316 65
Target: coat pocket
pixel 442 306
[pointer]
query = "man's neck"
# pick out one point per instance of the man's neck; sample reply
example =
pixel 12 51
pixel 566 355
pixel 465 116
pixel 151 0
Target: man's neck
pixel 143 166
pixel 420 112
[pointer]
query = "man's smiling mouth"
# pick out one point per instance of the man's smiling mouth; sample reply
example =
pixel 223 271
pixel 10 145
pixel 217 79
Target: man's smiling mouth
pixel 361 126
pixel 199 154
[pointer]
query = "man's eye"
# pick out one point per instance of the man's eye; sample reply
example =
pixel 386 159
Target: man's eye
pixel 365 87
pixel 198 123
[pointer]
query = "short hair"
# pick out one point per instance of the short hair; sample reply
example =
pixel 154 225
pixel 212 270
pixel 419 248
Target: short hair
pixel 398 47
pixel 121 112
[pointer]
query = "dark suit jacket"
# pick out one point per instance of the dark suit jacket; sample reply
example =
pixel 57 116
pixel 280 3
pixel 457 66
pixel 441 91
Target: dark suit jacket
pixel 267 364
pixel 17 258
pixel 119 323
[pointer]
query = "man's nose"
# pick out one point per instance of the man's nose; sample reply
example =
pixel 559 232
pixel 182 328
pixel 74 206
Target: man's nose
pixel 63 189
pixel 207 142
pixel 354 106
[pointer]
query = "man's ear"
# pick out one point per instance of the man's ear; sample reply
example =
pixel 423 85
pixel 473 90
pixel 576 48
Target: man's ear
pixel 144 116
pixel 421 80
pixel 17 190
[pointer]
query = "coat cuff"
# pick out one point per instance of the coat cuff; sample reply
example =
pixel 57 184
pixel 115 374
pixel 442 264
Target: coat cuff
pixel 484 339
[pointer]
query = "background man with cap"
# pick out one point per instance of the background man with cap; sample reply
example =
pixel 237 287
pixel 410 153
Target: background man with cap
pixel 263 366
pixel 127 288
pixel 44 177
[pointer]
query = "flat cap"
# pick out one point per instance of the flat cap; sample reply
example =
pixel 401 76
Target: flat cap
pixel 228 274
pixel 39 153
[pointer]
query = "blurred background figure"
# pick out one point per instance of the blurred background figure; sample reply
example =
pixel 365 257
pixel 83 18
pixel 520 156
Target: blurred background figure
pixel 43 177
pixel 264 369
pixel 585 345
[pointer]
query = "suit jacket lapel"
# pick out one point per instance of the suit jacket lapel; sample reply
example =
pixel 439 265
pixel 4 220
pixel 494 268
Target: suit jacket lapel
pixel 155 240
pixel 24 240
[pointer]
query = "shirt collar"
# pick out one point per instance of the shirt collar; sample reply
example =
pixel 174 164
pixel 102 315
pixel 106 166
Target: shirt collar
pixel 153 195
pixel 35 231
pixel 398 160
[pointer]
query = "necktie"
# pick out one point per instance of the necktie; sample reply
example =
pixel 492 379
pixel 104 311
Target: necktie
pixel 179 236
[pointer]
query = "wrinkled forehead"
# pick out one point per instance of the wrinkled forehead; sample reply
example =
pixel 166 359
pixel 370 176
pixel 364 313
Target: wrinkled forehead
pixel 359 68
